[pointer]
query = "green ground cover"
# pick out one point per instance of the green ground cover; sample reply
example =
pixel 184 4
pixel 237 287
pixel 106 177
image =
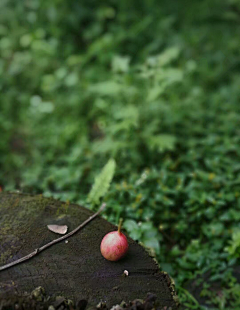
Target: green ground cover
pixel 154 85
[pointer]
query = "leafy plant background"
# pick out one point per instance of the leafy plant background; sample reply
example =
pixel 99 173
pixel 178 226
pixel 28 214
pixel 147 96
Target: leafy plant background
pixel 154 85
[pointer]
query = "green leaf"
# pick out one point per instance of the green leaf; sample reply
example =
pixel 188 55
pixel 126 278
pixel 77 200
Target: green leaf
pixel 102 182
pixel 120 64
pixel 133 229
pixel 152 243
pixel 168 55
pixel 161 142
pixel 234 244
pixel 156 91
pixel 107 88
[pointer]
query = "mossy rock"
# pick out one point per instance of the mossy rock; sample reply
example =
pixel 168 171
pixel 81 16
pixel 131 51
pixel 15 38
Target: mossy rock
pixel 75 269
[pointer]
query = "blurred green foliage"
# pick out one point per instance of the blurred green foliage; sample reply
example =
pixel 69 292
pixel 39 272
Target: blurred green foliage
pixel 154 85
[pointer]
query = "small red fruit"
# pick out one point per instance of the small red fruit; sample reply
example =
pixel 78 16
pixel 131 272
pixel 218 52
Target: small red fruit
pixel 114 245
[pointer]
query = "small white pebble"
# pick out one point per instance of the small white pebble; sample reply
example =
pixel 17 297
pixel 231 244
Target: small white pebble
pixel 66 241
pixel 126 273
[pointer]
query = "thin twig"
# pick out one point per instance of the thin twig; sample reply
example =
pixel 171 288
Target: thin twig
pixel 38 250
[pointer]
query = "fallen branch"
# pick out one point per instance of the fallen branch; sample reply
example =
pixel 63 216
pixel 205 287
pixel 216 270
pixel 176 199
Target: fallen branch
pixel 44 247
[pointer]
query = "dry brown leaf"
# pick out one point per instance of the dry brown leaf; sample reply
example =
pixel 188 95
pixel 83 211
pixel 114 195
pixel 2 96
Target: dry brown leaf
pixel 58 229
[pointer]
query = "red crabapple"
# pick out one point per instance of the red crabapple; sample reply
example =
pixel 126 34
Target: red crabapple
pixel 114 245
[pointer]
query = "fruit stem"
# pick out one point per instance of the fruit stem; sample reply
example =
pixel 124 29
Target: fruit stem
pixel 120 225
